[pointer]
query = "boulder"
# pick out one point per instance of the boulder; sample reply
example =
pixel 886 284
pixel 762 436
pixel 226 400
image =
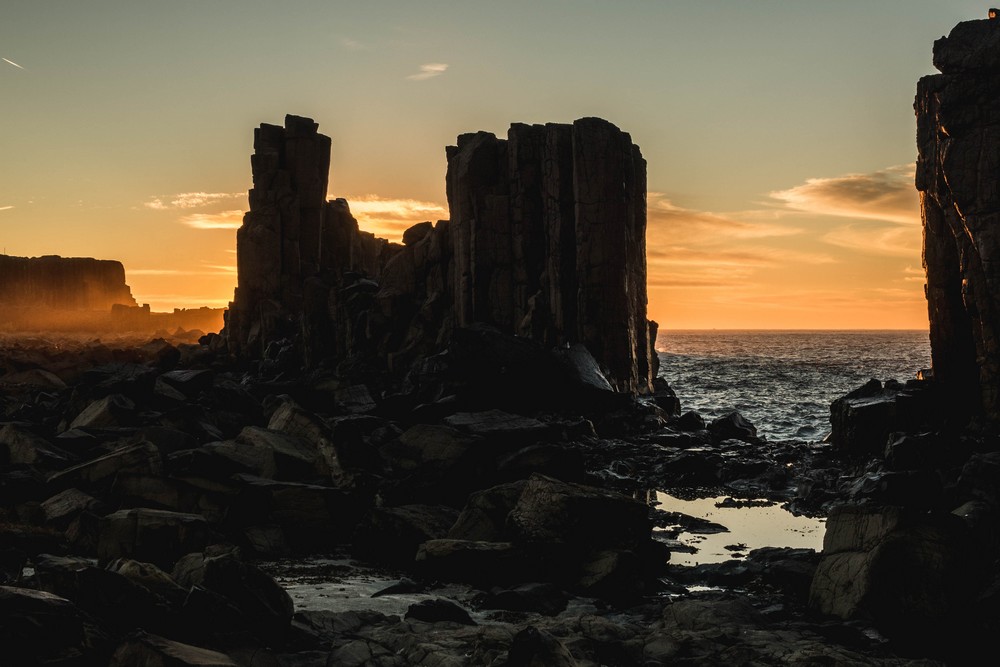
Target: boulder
pixel 20 446
pixel 41 628
pixel 478 563
pixel 112 410
pixel 484 517
pixel 391 535
pixel 533 647
pixel 549 511
pixel 311 517
pixel 911 572
pixel 62 508
pixel 142 648
pixel 264 604
pixel 100 473
pixel 438 610
pixel 155 536
pixel 733 426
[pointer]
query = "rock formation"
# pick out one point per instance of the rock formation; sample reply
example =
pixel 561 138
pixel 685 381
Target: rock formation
pixel 63 283
pixel 958 135
pixel 546 240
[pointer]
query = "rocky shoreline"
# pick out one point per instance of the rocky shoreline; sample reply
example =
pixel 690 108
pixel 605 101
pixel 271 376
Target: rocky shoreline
pixel 151 503
pixel 453 441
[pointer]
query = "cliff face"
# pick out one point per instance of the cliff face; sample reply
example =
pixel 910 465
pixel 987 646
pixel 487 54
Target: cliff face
pixel 958 136
pixel 62 283
pixel 546 240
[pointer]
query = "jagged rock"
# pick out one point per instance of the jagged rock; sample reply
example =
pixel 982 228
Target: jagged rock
pixel 143 648
pixel 100 473
pixel 266 607
pixel 863 419
pixel 106 594
pixel 733 426
pixel 958 144
pixel 62 508
pixel 157 536
pixel 113 410
pixel 20 446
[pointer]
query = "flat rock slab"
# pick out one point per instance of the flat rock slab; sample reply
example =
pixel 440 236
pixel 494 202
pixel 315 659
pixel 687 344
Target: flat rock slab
pixel 497 423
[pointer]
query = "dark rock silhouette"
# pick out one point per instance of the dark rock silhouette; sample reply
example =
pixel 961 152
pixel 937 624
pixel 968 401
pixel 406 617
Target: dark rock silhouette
pixel 79 283
pixel 959 152
pixel 546 241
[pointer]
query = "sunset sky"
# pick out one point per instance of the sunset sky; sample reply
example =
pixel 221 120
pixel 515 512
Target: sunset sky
pixel 779 136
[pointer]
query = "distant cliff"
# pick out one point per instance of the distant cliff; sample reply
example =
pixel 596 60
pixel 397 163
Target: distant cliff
pixel 63 283
pixel 546 240
pixel 958 176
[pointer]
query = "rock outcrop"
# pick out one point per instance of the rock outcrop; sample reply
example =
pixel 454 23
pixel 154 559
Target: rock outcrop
pixel 958 135
pixel 546 241
pixel 63 283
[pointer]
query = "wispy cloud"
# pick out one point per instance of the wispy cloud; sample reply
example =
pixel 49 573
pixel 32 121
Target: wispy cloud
pixel 190 200
pixel 224 220
pixel 429 71
pixel 389 218
pixel 887 195
pixel 687 248
pixel 11 62
pixel 5 208
pixel 207 270
pixel 351 44
pixel 893 241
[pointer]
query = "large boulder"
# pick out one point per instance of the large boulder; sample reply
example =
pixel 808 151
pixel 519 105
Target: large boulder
pixel 264 605
pixel 553 512
pixel 152 535
pixel 911 572
pixel 37 627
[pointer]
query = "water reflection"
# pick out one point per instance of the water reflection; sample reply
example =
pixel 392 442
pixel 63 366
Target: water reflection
pixel 751 525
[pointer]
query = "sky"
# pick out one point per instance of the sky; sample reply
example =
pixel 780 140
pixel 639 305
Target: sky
pixel 779 136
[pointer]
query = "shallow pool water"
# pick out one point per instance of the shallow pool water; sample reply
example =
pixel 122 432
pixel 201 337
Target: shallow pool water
pixel 751 525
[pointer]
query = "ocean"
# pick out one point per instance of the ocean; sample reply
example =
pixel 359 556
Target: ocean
pixel 783 381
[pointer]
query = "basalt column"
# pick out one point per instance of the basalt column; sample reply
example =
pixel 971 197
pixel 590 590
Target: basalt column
pixel 549 231
pixel 278 246
pixel 958 176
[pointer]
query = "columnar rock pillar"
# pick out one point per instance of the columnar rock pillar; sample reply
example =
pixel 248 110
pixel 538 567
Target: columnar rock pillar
pixel 546 240
pixel 278 246
pixel 549 239
pixel 958 176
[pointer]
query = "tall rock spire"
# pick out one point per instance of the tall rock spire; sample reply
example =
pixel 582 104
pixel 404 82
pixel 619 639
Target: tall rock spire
pixel 958 176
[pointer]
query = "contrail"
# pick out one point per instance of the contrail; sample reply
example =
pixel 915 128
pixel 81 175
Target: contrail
pixel 11 62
